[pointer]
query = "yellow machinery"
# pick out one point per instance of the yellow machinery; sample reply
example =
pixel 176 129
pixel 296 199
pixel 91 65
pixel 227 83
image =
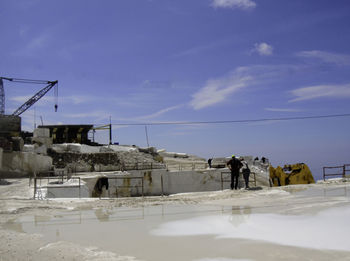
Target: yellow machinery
pixel 291 174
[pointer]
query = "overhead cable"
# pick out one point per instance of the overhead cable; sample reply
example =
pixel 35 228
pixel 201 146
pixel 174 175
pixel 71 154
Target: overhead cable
pixel 234 121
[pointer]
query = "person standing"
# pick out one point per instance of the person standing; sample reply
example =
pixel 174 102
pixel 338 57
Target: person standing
pixel 234 165
pixel 209 162
pixel 246 173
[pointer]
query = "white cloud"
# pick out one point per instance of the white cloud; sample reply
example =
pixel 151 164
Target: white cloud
pixel 282 109
pixel 321 91
pixel 240 4
pixel 328 57
pixel 218 90
pixel 263 49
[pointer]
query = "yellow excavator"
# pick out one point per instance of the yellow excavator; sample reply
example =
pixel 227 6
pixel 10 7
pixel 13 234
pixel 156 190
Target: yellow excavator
pixel 291 174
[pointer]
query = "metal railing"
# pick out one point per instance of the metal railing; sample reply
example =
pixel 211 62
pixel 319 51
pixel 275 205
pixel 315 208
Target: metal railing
pixel 225 180
pixel 142 166
pixel 186 166
pixel 337 171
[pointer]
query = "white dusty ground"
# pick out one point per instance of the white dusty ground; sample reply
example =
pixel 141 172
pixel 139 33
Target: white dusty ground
pixel 300 222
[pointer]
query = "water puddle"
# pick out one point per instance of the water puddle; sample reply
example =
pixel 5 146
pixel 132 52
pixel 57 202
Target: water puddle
pixel 200 232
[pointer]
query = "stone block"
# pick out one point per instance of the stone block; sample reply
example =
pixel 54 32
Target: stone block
pixel 26 162
pixel 41 132
pixel 47 141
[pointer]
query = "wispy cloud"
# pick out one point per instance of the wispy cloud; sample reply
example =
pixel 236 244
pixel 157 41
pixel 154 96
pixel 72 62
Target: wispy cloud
pixel 159 113
pixel 91 114
pixel 327 57
pixel 202 48
pixel 282 110
pixel 263 49
pixel 218 90
pixel 34 45
pixel 234 4
pixel 321 91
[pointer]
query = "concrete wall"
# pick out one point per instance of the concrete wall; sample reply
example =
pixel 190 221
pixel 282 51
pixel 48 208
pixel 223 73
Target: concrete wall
pixel 192 181
pixel 56 191
pixel 156 182
pixel 21 164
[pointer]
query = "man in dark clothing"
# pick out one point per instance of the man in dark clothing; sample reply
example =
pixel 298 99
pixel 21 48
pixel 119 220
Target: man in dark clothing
pixel 234 165
pixel 209 162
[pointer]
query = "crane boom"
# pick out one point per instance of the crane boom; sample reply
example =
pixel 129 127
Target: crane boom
pixel 34 99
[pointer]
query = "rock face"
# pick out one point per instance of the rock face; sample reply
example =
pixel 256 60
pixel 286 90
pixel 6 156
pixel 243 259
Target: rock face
pixel 77 158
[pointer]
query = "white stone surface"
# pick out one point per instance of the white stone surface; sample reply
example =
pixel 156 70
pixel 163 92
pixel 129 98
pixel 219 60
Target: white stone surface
pixel 74 147
pixel 41 132
pixel 122 148
pixel 60 147
pixel 28 148
pixel 89 149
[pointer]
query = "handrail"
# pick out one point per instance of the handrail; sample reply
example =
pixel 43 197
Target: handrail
pixel 342 170
pixel 229 180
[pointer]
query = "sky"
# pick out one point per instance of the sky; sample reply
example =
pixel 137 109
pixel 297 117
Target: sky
pixel 151 61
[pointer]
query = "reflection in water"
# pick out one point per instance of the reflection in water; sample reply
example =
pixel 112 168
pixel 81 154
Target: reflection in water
pixel 39 219
pixel 327 230
pixel 240 215
pixel 57 234
pixel 13 225
pixel 103 214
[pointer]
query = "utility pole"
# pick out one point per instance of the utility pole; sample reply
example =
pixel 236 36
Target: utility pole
pixel 146 135
pixel 110 130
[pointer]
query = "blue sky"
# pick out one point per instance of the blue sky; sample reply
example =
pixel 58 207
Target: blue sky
pixel 142 61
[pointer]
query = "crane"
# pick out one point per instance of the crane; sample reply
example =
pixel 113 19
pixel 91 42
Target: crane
pixel 25 106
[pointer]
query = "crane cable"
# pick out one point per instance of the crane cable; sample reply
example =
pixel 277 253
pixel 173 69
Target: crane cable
pixel 235 121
